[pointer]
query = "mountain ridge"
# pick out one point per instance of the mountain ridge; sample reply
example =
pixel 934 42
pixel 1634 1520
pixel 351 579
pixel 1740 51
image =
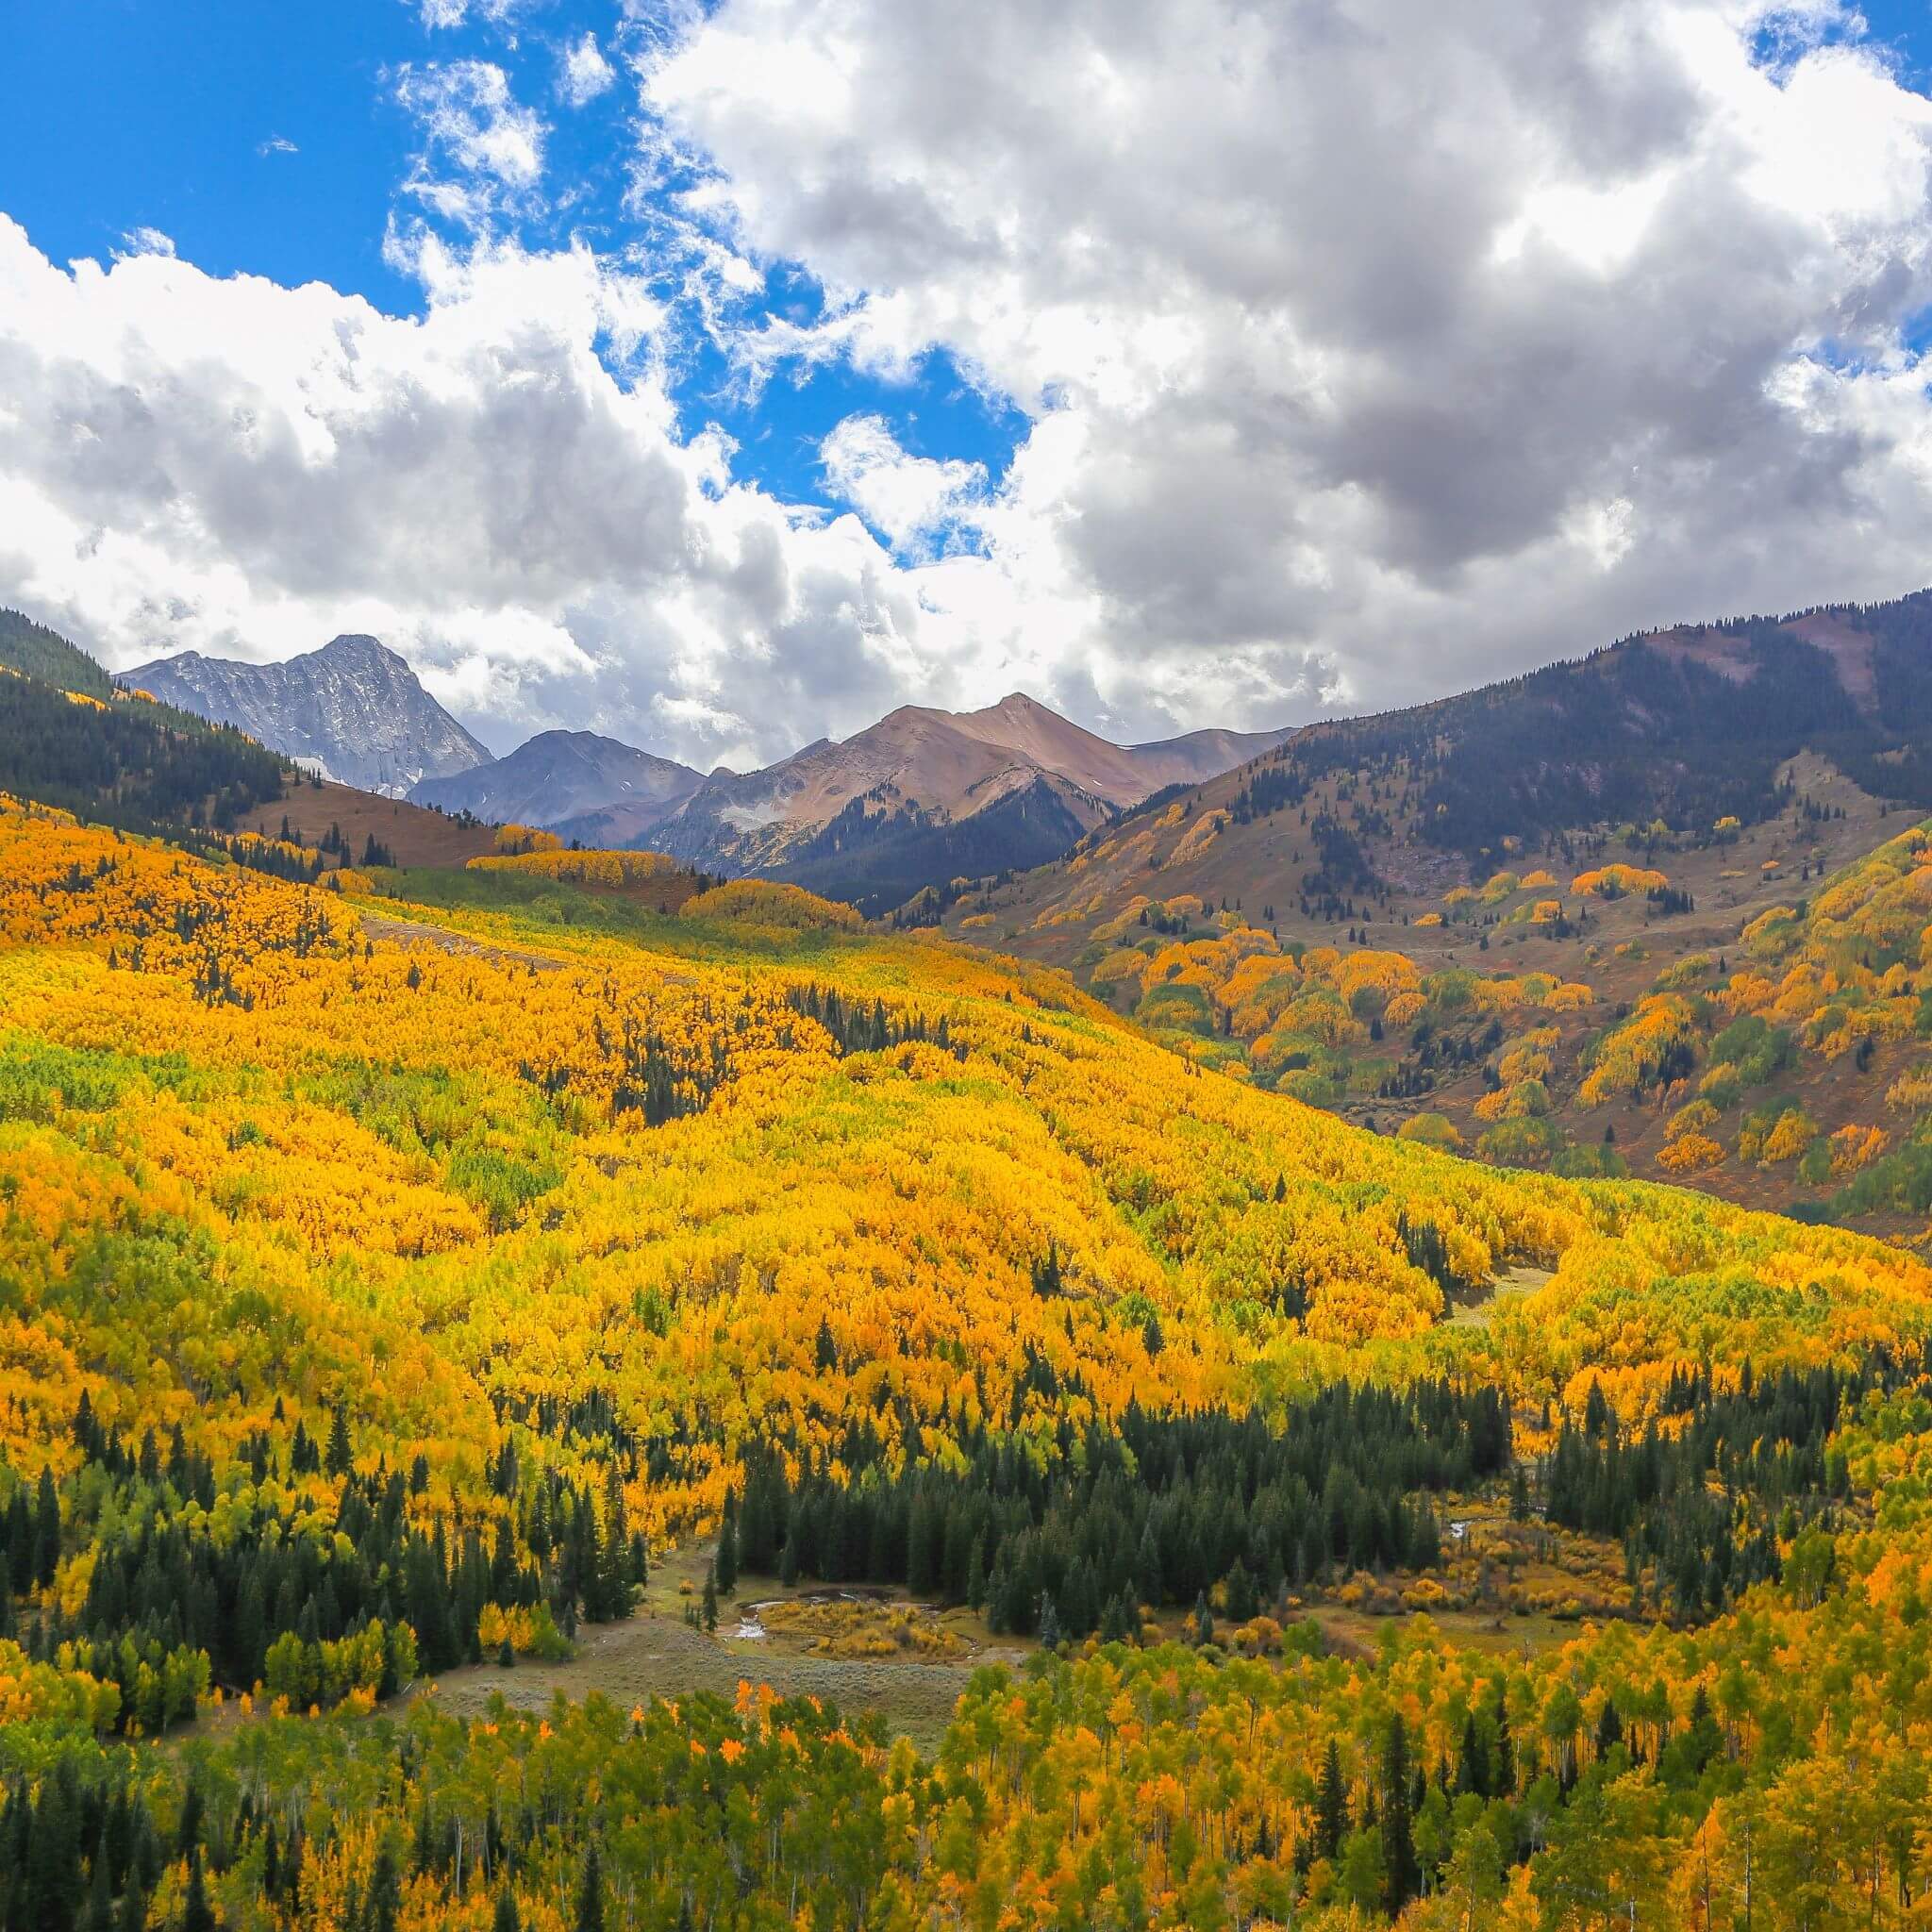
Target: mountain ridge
pixel 352 707
pixel 560 776
pixel 905 790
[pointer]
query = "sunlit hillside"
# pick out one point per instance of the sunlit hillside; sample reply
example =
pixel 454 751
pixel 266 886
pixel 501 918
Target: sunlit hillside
pixel 407 1283
pixel 1653 1004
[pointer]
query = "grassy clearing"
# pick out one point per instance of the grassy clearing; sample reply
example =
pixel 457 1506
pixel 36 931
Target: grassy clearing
pixel 1358 1633
pixel 657 1653
pixel 1511 1283
pixel 913 1687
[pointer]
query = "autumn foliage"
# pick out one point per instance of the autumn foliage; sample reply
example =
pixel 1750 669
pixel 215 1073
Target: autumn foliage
pixel 515 1220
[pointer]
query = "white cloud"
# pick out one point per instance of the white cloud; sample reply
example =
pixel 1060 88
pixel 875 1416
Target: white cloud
pixel 1430 341
pixel 483 152
pixel 146 241
pixel 241 468
pixel 437 14
pixel 277 144
pixel 585 72
pixel 912 499
pixel 1372 347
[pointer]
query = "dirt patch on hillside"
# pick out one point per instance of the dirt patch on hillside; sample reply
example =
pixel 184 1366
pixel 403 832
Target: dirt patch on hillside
pixel 385 929
pixel 661 1655
pixel 1511 1285
pixel 409 834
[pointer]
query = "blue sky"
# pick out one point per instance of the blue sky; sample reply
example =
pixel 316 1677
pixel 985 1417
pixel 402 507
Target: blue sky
pixel 1176 361
pixel 268 140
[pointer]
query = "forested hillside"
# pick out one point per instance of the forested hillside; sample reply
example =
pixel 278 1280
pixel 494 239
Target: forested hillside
pixel 1687 726
pixel 34 651
pixel 394 1292
pixel 1680 998
pixel 69 738
pixel 1781 1053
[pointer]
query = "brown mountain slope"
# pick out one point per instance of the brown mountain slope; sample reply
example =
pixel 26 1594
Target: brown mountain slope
pixel 1299 993
pixel 1120 774
pixel 924 795
pixel 1308 920
pixel 411 834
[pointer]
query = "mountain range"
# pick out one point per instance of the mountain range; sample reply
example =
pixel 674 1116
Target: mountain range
pixel 1651 911
pixel 922 797
pixel 925 796
pixel 1688 726
pixel 1516 920
pixel 352 710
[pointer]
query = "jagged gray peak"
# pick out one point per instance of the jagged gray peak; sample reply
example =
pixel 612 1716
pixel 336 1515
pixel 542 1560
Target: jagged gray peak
pixel 353 708
pixel 560 775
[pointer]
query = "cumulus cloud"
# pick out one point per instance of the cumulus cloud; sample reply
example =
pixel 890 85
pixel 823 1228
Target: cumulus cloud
pixel 1419 342
pixel 584 73
pixel 1368 348
pixel 913 500
pixel 475 486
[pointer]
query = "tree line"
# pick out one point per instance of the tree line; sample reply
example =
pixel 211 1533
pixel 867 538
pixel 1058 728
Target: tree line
pixel 1702 1509
pixel 1159 1509
pixel 168 1607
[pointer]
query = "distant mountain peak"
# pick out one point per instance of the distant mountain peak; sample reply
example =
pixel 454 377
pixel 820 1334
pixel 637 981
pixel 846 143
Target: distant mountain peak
pixel 925 794
pixel 602 790
pixel 356 647
pixel 352 707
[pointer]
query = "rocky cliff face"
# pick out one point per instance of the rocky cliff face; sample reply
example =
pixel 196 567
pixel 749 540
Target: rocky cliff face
pixel 353 709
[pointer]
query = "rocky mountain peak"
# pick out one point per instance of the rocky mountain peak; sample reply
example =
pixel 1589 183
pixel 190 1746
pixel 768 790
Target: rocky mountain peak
pixel 352 708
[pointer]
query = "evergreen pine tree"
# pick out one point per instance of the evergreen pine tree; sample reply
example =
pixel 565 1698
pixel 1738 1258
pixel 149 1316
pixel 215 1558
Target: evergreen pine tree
pixel 54 1886
pixel 291 1877
pixel 725 1562
pixel 100 1898
pixel 710 1606
pixel 46 1530
pixel 340 1457
pixel 149 1858
pixel 1609 1729
pixel 584 1561
pixel 1331 1806
pixel 1402 1874
pixel 1049 1622
pixel 590 1892
pixel 385 1902
pixel 197 1915
pixel 1471 1765
pixel 21 1548
pixel 507 1919
pixel 1504 1779
pixel 187 1832
pixel 616 1594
